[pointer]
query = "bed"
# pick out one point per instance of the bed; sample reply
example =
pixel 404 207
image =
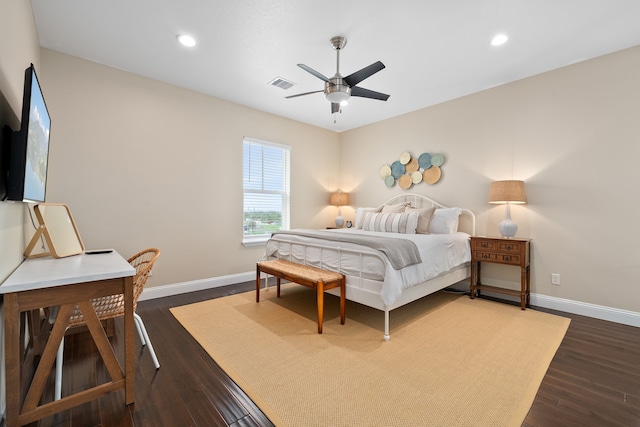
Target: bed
pixel 388 269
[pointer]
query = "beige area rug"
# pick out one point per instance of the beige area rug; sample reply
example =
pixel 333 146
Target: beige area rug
pixel 451 361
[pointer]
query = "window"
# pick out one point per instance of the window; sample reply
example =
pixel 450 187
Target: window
pixel 265 185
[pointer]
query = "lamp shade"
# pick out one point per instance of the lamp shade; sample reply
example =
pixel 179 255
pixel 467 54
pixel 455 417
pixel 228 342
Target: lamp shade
pixel 507 192
pixel 339 199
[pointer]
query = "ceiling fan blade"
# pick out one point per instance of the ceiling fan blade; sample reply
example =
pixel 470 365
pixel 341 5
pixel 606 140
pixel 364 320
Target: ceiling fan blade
pixel 303 94
pixel 314 72
pixel 358 76
pixel 335 107
pixel 366 93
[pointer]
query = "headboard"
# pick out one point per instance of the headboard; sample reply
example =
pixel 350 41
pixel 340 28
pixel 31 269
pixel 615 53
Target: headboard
pixel 467 221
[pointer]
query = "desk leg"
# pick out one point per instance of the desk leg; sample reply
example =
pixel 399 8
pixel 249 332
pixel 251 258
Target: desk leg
pixel 129 352
pixel 13 361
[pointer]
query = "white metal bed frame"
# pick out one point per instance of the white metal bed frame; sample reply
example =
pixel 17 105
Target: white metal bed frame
pixel 356 289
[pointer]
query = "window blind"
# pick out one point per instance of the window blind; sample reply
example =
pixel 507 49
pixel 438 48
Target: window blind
pixel 266 187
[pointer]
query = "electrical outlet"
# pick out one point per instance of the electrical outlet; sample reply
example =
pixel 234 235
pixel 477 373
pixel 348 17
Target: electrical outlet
pixel 555 278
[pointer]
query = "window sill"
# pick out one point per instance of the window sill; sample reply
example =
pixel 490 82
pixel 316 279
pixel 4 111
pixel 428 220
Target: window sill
pixel 255 241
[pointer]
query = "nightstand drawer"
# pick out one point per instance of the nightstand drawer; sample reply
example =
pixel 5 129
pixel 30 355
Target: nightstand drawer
pixel 484 244
pixel 499 246
pixel 509 259
pixel 513 247
pixel 496 257
pixel 485 256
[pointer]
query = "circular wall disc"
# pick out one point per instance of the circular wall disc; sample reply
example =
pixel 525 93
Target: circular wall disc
pixel 416 177
pixel 424 160
pixel 431 175
pixel 405 181
pixel 405 157
pixel 437 159
pixel 385 171
pixel 412 166
pixel 389 181
pixel 397 169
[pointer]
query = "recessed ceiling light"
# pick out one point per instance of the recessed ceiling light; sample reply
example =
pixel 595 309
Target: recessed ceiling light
pixel 499 39
pixel 186 40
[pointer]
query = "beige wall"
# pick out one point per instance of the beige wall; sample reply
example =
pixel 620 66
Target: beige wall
pixel 141 163
pixel 572 134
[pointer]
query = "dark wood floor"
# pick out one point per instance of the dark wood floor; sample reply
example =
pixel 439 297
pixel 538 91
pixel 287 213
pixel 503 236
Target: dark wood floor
pixel 594 379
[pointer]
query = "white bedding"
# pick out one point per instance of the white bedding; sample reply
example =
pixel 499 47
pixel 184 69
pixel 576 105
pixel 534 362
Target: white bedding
pixel 439 252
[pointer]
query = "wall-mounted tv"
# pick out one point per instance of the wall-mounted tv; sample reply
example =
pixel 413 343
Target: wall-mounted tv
pixel 28 156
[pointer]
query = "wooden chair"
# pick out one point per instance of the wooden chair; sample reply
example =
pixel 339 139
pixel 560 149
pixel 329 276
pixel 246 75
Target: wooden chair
pixel 110 307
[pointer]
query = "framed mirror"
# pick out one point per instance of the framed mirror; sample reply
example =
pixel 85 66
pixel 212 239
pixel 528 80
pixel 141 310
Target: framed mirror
pixel 59 230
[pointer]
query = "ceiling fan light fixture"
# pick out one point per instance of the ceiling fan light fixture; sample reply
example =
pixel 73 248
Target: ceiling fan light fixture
pixel 337 93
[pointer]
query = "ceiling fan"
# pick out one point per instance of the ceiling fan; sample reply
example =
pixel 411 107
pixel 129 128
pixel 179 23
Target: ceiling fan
pixel 338 89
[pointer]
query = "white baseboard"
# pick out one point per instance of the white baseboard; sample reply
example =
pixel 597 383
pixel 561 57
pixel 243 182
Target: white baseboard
pixel 601 312
pixel 624 317
pixel 196 285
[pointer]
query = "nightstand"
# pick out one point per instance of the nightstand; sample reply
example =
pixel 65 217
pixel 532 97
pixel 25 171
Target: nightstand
pixel 498 250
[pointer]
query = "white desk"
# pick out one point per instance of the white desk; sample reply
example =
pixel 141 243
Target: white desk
pixel 46 282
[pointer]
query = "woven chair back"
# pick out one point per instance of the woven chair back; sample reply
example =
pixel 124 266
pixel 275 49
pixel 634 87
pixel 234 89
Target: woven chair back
pixel 113 305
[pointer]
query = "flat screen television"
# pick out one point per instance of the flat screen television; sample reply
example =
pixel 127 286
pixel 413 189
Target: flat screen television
pixel 28 158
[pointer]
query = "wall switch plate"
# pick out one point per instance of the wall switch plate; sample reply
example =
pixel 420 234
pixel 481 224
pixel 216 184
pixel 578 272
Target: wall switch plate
pixel 555 278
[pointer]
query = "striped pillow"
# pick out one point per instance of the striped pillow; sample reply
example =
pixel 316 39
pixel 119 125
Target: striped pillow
pixel 404 223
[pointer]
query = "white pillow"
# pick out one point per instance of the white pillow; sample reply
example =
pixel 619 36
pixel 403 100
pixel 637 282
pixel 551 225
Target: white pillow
pixel 361 213
pixel 404 223
pixel 445 221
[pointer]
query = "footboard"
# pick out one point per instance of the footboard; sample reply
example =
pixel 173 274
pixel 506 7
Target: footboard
pixel 361 267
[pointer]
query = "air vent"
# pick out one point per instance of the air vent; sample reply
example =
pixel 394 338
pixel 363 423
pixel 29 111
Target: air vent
pixel 281 83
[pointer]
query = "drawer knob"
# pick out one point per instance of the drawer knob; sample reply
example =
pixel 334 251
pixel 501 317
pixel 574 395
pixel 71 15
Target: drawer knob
pixel 507 258
pixel 485 256
pixel 509 247
pixel 484 245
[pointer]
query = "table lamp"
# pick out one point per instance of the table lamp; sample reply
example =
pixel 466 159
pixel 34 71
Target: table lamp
pixel 507 192
pixel 339 199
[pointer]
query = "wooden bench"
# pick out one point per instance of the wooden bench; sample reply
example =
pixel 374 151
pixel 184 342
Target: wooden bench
pixel 305 275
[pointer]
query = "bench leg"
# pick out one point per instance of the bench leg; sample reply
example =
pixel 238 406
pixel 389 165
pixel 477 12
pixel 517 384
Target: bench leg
pixel 320 298
pixel 343 297
pixel 278 286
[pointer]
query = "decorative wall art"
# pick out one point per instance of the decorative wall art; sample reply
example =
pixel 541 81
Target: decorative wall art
pixel 409 170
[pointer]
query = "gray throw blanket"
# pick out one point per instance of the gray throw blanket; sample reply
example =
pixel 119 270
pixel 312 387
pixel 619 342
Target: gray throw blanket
pixel 401 252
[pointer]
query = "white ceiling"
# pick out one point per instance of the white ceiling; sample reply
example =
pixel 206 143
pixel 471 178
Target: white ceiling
pixel 434 50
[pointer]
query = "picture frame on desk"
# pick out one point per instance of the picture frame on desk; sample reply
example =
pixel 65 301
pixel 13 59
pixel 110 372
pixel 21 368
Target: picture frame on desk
pixel 59 230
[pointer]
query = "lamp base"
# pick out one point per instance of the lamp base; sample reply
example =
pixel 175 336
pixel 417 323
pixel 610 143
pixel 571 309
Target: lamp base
pixel 508 228
pixel 339 221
